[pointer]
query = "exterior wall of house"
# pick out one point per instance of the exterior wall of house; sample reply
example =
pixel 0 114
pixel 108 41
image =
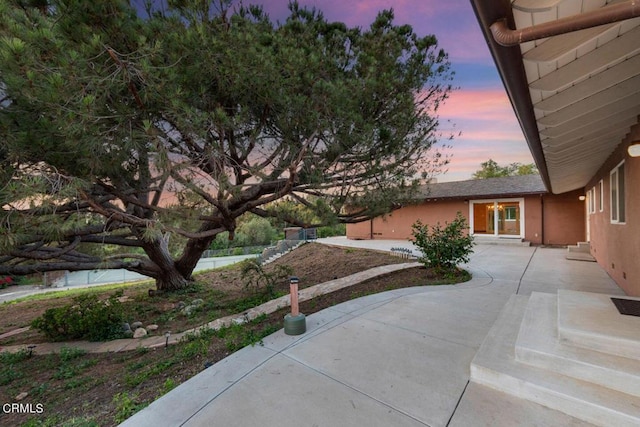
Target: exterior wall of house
pixel 397 224
pixel 533 219
pixel 564 217
pixel 616 246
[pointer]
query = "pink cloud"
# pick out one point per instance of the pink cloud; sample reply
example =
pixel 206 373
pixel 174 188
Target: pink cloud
pixel 477 104
pixel 489 130
pixel 481 115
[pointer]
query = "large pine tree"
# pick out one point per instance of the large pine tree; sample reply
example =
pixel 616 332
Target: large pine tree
pixel 121 129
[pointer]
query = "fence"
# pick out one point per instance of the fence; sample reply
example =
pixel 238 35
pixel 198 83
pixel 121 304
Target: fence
pixel 236 251
pixel 92 277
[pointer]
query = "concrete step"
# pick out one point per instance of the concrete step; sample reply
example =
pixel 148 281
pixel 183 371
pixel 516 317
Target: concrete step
pixel 277 255
pixel 584 247
pixel 580 252
pixel 506 241
pixel 592 321
pixel 538 345
pixel 495 366
pixel 580 256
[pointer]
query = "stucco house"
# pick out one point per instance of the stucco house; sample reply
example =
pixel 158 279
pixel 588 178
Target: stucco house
pixel 571 69
pixel 514 207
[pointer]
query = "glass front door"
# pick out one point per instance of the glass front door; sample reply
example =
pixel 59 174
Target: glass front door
pixel 483 218
pixel 497 217
pixel 509 219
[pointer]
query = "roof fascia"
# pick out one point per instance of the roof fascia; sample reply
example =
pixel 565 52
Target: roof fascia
pixel 508 60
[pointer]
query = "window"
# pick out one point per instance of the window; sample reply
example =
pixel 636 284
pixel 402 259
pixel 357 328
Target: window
pixel 601 196
pixel 617 194
pixel 591 199
pixel 510 213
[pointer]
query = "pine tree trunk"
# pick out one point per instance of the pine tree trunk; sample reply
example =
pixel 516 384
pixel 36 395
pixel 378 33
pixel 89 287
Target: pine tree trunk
pixel 168 276
pixel 171 280
pixel 173 274
pixel 192 253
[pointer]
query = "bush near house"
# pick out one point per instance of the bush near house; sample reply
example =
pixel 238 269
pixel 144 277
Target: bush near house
pixel 443 248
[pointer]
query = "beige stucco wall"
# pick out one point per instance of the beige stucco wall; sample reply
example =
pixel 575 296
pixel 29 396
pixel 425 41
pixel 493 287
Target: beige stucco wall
pixel 616 247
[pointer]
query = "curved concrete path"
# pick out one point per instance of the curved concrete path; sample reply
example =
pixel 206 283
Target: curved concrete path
pixel 399 358
pixel 155 341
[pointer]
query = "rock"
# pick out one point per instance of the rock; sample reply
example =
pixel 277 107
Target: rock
pixel 140 332
pixel 152 328
pixel 128 333
pixel 22 395
pixel 189 310
pixel 180 305
pixel 123 298
pixel 197 302
pixel 136 325
pixel 126 327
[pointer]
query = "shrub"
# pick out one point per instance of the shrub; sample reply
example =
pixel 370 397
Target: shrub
pixel 256 277
pixel 5 281
pixel 443 248
pixel 85 318
pixel 257 231
pixel 332 230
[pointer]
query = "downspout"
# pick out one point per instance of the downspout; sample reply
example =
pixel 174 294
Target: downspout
pixel 505 36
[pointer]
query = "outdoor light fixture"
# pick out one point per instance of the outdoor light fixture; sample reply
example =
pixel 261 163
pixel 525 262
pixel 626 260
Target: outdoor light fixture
pixel 582 198
pixel 634 149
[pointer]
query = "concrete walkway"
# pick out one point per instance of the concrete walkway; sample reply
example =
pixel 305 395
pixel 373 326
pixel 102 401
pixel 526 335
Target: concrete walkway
pixel 399 358
pixel 155 341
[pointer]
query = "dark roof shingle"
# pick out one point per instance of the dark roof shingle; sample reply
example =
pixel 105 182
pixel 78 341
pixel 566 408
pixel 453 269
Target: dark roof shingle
pixel 508 186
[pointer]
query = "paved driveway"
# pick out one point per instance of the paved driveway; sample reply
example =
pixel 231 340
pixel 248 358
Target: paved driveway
pixel 399 358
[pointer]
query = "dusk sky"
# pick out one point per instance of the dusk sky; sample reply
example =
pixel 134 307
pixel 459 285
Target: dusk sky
pixel 479 109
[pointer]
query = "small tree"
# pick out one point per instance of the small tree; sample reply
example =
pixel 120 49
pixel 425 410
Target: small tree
pixel 491 169
pixel 443 248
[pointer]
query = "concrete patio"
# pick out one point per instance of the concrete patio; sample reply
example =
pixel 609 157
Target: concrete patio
pixel 400 358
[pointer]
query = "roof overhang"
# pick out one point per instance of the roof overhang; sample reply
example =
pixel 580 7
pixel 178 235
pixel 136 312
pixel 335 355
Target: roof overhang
pixel 577 94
